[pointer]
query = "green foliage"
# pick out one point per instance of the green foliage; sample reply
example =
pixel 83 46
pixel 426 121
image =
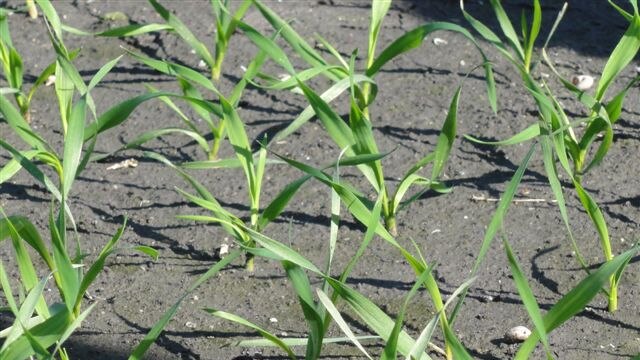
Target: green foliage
pixel 558 135
pixel 41 327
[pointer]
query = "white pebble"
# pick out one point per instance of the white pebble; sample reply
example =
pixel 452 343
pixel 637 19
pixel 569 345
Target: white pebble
pixel 463 63
pixel 223 250
pixel 517 334
pixel 190 325
pixel 438 41
pixel 50 80
pixel 273 320
pixel 202 64
pixel 583 82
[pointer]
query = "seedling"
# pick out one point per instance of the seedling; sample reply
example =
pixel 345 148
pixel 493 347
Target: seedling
pixel 224 30
pixel 357 134
pixel 560 138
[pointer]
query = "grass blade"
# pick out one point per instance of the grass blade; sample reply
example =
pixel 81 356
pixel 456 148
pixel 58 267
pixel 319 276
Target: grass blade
pixel 264 333
pixel 73 141
pixel 183 31
pixel 335 314
pixel 496 221
pixel 133 30
pixel 622 55
pixel 576 299
pixel 528 299
pixel 157 328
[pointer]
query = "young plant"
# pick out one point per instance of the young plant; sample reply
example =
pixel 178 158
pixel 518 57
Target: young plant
pixel 569 305
pixel 38 326
pixel 12 67
pixel 188 79
pixel 224 30
pixel 357 134
pixel 562 141
pixel 319 313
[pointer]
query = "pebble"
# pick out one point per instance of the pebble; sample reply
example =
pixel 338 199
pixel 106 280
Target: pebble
pixel 223 250
pixel 190 325
pixel 438 41
pixel 50 80
pixel 517 334
pixel 583 82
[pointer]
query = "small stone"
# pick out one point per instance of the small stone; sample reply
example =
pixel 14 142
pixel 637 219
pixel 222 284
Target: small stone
pixel 273 320
pixel 463 63
pixel 202 64
pixel 439 41
pixel 190 324
pixel 583 82
pixel 517 334
pixel 223 250
pixel 50 80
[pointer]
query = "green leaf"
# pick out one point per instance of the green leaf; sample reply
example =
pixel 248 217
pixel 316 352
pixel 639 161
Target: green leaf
pixel 102 72
pixel 297 43
pixel 390 349
pixel 176 70
pixel 527 134
pixel 335 314
pixel 264 333
pixel 576 299
pixel 119 113
pixel 19 125
pixel 375 318
pixel 411 40
pixel 73 141
pixel 312 315
pixel 622 55
pixel 378 11
pixel 496 220
pixel 329 95
pixel 133 30
pixel 157 328
pixel 97 266
pixel 447 137
pixel 183 31
pixel 528 299
pixel 268 46
pixel 507 28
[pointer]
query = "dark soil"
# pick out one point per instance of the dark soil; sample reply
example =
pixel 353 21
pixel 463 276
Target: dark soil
pixel 415 91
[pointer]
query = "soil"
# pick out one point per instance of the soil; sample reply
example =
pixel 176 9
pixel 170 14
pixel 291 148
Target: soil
pixel 414 94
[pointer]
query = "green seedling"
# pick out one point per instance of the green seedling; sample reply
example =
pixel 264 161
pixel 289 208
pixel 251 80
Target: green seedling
pixel 569 305
pixel 562 141
pixel 39 326
pixel 357 134
pixel 242 233
pixel 369 215
pixel 224 30
pixel 188 84
pixel 12 67
pixel 319 313
pixel 32 9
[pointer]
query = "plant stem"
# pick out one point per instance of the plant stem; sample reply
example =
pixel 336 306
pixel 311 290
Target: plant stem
pixel 213 153
pixel 390 224
pixel 32 9
pixel 217 65
pixel 613 294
